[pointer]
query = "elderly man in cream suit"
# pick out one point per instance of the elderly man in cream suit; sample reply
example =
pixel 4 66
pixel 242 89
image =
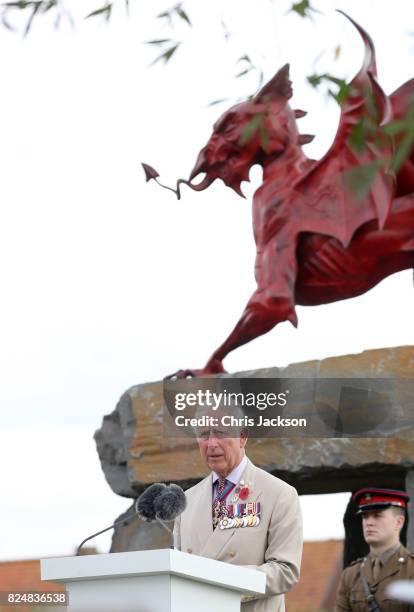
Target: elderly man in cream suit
pixel 273 546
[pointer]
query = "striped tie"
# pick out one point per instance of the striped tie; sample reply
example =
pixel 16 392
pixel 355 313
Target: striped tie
pixel 219 503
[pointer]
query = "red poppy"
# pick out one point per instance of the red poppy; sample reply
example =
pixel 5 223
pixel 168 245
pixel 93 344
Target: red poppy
pixel 244 493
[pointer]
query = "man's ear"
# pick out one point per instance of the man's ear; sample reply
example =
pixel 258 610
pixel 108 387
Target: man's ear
pixel 244 434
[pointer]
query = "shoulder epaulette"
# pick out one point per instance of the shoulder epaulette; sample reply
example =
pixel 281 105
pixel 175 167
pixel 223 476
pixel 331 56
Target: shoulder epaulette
pixel 356 561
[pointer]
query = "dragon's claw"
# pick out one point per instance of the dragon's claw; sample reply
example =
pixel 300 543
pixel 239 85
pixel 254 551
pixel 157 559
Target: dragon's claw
pixel 213 366
pixel 181 374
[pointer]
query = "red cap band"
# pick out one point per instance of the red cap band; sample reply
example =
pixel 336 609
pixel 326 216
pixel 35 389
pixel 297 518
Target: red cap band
pixel 375 499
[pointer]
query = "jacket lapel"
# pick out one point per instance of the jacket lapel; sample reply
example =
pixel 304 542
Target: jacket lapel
pixel 201 515
pixel 392 566
pixel 366 570
pixel 218 538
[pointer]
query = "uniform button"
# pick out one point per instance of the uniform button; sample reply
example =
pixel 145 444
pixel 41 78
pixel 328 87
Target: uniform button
pixel 232 554
pixel 189 550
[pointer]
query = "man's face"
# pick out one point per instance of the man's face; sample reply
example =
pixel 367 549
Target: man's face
pixel 220 452
pixel 382 527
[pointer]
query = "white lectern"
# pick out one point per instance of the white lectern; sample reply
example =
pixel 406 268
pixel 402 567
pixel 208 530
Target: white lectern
pixel 152 581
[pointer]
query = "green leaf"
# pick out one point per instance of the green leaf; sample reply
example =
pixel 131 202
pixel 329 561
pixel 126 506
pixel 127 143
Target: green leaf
pixel 344 89
pixel 244 58
pixel 371 104
pixel 334 79
pixel 315 79
pixel 49 5
pixel 403 151
pixel 36 9
pixel 181 13
pixel 303 8
pixel 166 55
pixel 251 128
pixel 300 8
pixel 166 15
pixel 219 101
pixel 361 178
pixel 104 10
pixel 20 4
pixel 264 136
pixel 57 21
pixel 6 23
pixel 397 127
pixel 243 72
pixel 357 137
pixel 157 41
pixel 403 129
pixel 342 94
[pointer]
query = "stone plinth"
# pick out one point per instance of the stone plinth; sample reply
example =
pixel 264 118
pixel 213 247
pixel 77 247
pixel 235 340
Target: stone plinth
pixel 134 452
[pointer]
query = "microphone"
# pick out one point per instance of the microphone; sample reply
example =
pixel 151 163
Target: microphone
pixel 171 503
pixel 144 505
pixel 161 503
pixel 158 502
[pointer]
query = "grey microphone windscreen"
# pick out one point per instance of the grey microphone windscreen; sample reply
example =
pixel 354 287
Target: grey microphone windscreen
pixel 145 502
pixel 170 503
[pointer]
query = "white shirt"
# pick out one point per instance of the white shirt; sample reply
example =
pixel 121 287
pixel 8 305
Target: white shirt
pixel 235 474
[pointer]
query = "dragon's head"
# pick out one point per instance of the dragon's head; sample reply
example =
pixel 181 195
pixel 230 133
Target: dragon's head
pixel 254 132
pixel 248 133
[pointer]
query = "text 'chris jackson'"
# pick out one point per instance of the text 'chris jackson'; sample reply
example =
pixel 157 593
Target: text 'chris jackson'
pixel 231 421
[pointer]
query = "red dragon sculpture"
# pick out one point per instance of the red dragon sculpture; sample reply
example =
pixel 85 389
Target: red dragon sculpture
pixel 318 240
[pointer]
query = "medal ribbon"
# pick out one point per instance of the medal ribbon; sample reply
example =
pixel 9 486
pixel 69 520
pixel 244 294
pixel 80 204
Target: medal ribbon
pixel 219 504
pixel 221 496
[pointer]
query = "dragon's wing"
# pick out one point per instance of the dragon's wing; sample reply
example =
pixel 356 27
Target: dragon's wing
pixel 340 204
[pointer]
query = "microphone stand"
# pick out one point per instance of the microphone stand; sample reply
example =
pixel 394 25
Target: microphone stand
pixel 167 528
pixel 164 525
pixel 125 521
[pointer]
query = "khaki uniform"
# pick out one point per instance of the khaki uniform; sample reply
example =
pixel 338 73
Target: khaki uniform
pixel 351 595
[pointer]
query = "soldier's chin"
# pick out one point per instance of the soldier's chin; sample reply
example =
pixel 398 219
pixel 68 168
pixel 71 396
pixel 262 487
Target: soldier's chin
pixel 371 539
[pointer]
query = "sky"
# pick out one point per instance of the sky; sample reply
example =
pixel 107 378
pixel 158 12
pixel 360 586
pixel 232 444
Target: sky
pixel 107 281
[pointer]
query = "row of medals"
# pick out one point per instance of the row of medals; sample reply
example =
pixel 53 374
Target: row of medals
pixel 241 515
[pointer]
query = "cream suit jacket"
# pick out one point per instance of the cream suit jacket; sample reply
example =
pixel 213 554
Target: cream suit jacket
pixel 273 547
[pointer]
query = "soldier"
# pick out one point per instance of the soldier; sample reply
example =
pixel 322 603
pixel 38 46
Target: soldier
pixel 363 584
